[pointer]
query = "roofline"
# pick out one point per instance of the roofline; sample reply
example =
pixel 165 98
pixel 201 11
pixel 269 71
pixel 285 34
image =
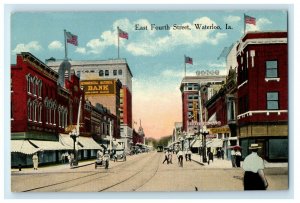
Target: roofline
pixel 91 62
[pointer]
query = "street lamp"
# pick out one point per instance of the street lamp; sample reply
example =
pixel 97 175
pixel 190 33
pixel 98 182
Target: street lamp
pixel 204 133
pixel 74 136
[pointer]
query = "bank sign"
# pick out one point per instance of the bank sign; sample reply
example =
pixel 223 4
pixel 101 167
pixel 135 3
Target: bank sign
pixel 98 87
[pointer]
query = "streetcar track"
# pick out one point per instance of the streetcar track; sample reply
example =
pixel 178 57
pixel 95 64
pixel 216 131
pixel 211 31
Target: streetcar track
pixel 133 175
pixel 159 159
pixel 58 183
pixel 74 179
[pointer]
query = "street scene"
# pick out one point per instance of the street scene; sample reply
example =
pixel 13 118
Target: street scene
pixel 142 173
pixel 165 101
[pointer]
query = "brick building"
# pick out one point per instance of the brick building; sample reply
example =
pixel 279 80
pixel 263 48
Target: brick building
pixel 195 91
pixel 44 109
pixel 262 88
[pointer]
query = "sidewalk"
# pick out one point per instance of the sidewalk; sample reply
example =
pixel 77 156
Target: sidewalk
pixel 220 163
pixel 50 168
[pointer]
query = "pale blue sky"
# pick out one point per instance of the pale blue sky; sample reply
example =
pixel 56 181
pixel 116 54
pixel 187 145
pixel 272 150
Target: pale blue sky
pixel 155 57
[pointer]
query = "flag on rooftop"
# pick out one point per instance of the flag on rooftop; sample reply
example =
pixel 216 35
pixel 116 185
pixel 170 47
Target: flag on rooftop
pixel 188 60
pixel 122 34
pixel 72 39
pixel 249 20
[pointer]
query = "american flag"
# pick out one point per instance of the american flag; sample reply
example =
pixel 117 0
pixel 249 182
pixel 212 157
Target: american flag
pixel 188 60
pixel 122 34
pixel 72 39
pixel 250 20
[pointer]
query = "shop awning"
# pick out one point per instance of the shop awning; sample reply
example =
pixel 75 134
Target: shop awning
pixel 196 144
pixel 89 143
pixel 67 141
pixel 49 145
pixel 215 143
pixel 23 146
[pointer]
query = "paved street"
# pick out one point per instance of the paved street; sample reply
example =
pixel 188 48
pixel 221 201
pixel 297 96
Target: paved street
pixel 142 172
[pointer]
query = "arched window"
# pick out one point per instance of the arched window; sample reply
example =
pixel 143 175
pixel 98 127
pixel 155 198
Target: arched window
pixel 59 116
pixel 29 110
pixel 34 111
pixel 33 85
pixel 54 113
pixel 40 113
pixel 28 79
pixel 66 118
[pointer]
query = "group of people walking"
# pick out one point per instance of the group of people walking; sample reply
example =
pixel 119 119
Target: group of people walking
pixel 179 154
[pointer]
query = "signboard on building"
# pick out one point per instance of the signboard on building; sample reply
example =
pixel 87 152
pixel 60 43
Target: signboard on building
pixel 98 87
pixel 219 130
pixel 207 72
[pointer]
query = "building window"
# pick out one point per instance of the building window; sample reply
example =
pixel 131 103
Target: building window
pixel 28 83
pixel 271 69
pixel 35 111
pixel 47 115
pixel 120 71
pixel 40 113
pixel 272 100
pixel 59 117
pixel 114 72
pixel 106 72
pixel 101 73
pixel 29 110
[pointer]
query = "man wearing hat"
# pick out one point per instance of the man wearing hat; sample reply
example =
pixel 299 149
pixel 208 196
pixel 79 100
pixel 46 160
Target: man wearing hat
pixel 254 177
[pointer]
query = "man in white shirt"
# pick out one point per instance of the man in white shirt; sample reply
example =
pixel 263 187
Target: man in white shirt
pixel 254 177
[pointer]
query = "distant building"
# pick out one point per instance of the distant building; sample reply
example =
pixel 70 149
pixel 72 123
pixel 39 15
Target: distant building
pixel 105 70
pixel 195 91
pixel 222 106
pixel 105 94
pixel 262 89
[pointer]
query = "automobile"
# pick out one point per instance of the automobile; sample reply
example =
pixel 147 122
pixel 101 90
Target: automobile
pixel 120 155
pixel 102 161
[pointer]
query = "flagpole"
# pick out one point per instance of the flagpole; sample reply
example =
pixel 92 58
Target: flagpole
pixel 118 44
pixel 244 24
pixel 184 66
pixel 66 51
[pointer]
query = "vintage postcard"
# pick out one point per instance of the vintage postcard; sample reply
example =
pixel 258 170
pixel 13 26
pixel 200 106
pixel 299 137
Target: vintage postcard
pixel 149 101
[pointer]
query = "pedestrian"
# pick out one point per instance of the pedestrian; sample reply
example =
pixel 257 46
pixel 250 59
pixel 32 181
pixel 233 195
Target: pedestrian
pixel 186 155
pixel 238 157
pixel 170 157
pixel 254 177
pixel 233 158
pixel 219 153
pixel 35 161
pixel 166 157
pixel 222 153
pixel 210 157
pixel 71 159
pixel 180 158
pixel 189 152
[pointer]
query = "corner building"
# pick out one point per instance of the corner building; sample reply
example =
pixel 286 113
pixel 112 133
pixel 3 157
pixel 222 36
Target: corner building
pixel 262 88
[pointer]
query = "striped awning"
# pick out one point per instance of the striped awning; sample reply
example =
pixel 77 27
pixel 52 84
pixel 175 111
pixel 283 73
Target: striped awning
pixel 49 145
pixel 89 143
pixel 23 146
pixel 215 143
pixel 196 144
